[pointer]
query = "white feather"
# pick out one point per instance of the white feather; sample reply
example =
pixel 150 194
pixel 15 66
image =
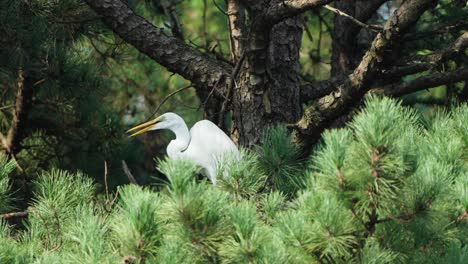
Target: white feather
pixel 205 144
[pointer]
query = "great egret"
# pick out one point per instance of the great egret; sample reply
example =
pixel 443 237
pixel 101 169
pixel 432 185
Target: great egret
pixel 205 144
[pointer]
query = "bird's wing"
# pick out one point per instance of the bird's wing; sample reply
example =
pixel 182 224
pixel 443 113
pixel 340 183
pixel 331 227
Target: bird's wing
pixel 208 143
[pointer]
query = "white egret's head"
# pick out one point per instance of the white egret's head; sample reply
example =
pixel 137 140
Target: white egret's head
pixel 165 121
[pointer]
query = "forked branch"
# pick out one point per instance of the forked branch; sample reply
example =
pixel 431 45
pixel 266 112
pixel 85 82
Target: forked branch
pixel 350 92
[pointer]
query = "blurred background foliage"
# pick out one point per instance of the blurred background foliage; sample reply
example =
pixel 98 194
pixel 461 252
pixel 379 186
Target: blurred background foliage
pixel 89 86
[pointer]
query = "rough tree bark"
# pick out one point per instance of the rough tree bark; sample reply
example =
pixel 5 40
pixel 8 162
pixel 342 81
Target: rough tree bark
pixel 268 83
pixel 23 101
pixel 208 75
pixel 262 87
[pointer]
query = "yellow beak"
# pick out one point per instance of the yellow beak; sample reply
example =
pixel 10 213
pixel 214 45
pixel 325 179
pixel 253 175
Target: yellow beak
pixel 143 127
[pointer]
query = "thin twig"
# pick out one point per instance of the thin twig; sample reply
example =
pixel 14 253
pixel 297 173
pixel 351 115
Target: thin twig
pixel 171 14
pixel 167 97
pixel 105 181
pixel 375 28
pixel 7 106
pixel 111 207
pixel 205 34
pixel 128 173
pixel 217 55
pixel 39 82
pixel 306 29
pixel 219 8
pixel 211 93
pixel 77 21
pixel 6 146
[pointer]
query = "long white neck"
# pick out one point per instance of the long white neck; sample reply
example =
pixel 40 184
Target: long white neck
pixel 182 140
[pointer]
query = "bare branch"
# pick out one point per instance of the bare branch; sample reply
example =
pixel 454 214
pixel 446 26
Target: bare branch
pixel 443 28
pixel 420 63
pixel 14 215
pixel 319 114
pixel 429 81
pixel 375 28
pixel 105 181
pixel 314 90
pixel 169 96
pixel 23 104
pixel 128 173
pixel 168 51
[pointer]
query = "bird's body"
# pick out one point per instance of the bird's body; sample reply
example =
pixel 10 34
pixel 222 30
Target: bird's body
pixel 205 144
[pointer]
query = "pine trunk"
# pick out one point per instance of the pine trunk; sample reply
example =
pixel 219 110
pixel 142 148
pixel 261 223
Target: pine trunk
pixel 267 91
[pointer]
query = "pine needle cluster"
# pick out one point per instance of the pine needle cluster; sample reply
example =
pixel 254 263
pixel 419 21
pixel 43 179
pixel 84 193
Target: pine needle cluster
pixel 385 189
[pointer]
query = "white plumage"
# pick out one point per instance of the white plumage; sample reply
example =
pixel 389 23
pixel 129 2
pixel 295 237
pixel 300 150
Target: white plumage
pixel 205 144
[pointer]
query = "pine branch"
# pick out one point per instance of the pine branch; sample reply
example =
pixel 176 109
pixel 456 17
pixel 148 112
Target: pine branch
pixel 127 172
pixel 443 28
pixel 422 83
pixel 416 64
pixel 23 103
pixel 316 89
pixel 317 116
pixel 168 51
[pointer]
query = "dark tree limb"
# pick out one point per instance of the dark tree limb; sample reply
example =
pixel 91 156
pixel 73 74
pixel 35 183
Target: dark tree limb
pixel 420 63
pixel 425 82
pixel 23 103
pixel 319 114
pixel 439 29
pixel 203 71
pixel 316 89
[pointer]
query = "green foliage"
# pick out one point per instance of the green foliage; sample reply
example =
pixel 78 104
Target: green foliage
pixel 246 178
pixel 6 167
pixel 280 159
pixel 372 253
pixel 134 224
pixel 383 190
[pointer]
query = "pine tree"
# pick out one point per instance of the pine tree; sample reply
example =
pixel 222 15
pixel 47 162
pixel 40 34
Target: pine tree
pixel 391 187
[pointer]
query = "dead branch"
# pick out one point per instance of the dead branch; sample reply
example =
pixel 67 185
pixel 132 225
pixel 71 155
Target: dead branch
pixel 128 173
pixel 170 52
pixel 375 28
pixel 12 215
